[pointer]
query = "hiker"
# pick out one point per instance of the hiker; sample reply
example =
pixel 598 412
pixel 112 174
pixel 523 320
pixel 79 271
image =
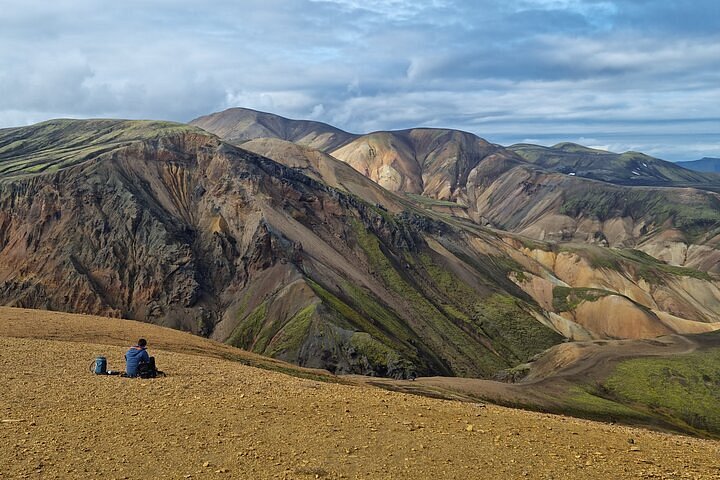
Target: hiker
pixel 138 361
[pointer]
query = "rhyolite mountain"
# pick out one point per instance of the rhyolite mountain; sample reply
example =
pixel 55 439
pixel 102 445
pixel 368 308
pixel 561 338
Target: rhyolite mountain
pixel 629 168
pixel 586 275
pixel 237 125
pixel 279 248
pixel 167 224
pixel 565 193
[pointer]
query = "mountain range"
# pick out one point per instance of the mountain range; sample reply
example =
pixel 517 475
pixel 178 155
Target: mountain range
pixel 705 164
pixel 558 194
pixel 400 254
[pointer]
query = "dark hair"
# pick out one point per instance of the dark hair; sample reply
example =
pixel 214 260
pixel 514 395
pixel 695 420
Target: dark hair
pixel 142 342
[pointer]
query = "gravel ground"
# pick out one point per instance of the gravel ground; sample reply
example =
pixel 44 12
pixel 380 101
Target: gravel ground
pixel 213 418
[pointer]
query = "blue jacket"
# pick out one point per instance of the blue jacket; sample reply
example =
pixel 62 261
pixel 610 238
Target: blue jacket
pixel 133 357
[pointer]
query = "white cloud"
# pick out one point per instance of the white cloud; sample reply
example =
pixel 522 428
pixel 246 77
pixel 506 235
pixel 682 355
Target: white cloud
pixel 394 9
pixel 607 148
pixel 317 111
pixel 505 70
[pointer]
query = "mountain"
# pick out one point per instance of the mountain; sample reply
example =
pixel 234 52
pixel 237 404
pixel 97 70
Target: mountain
pixel 167 224
pixel 290 253
pixel 678 225
pixel 412 160
pixel 237 125
pixel 629 168
pixel 561 193
pixel 657 298
pixel 705 164
pixel 426 161
pixel 495 187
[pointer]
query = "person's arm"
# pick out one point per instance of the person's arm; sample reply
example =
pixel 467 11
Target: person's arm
pixel 145 356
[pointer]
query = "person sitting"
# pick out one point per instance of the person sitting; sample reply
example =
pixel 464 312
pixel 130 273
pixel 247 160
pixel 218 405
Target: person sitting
pixel 135 356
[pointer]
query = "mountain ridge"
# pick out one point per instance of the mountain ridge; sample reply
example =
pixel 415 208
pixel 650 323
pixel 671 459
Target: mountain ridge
pixel 541 191
pixel 705 164
pixel 190 232
pixel 240 124
pixel 302 258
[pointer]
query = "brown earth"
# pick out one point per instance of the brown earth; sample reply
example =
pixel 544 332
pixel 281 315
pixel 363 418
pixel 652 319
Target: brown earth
pixel 214 418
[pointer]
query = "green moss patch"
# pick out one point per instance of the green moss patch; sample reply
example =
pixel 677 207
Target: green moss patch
pixel 586 404
pixel 683 390
pixel 376 352
pixel 248 329
pixel 566 299
pixel 293 333
pixel 432 202
pixel 653 270
pixel 514 331
pixel 636 262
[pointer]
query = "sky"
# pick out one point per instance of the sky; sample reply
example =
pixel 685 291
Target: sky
pixel 614 74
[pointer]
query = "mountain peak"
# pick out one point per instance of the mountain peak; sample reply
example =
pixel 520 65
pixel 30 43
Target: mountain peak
pixel 571 147
pixel 237 125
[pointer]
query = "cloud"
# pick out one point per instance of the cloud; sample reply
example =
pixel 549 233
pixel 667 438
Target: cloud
pixel 505 70
pixel 392 9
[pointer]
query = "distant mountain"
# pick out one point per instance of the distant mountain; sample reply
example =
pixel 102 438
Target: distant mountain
pixel 705 164
pixel 427 161
pixel 563 193
pixel 435 162
pixel 629 168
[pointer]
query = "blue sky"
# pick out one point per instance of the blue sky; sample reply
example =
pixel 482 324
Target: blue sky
pixel 622 75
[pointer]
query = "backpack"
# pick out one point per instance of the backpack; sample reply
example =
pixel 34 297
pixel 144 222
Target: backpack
pixel 148 370
pixel 145 370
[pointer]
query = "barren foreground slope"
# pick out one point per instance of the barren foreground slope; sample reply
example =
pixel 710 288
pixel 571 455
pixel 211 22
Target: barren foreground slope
pixel 215 418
